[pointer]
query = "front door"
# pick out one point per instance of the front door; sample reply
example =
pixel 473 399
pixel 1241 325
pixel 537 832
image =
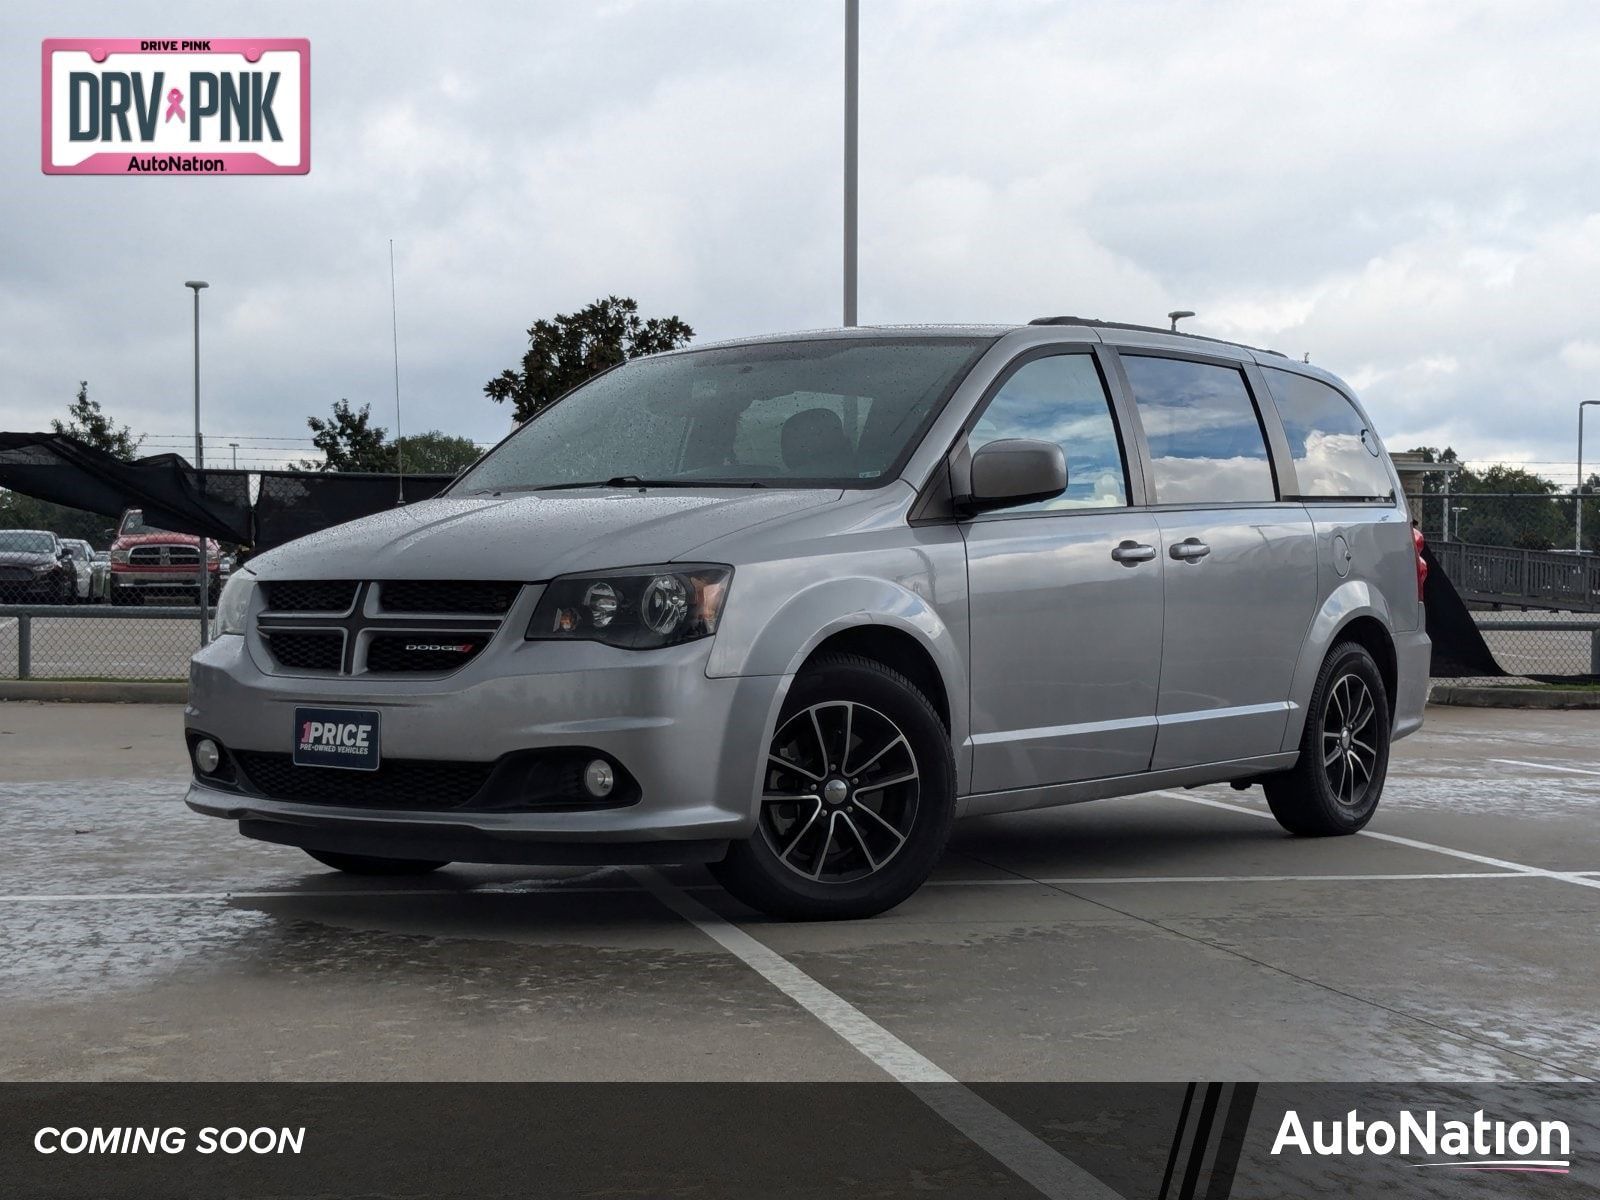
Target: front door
pixel 1066 596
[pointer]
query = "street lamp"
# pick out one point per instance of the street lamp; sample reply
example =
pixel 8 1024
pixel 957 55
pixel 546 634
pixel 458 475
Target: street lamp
pixel 196 286
pixel 1177 315
pixel 1458 509
pixel 852 71
pixel 234 446
pixel 1578 538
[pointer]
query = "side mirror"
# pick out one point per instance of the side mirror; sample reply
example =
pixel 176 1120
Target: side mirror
pixel 110 535
pixel 1015 471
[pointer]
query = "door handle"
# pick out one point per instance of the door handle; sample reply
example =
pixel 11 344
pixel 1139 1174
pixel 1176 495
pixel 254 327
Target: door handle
pixel 1189 550
pixel 1131 554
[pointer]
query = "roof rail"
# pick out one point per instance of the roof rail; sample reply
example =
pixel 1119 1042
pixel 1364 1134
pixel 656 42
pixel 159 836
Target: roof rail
pixel 1095 323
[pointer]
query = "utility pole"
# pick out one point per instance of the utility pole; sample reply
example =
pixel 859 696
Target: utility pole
pixel 1578 538
pixel 203 584
pixel 852 65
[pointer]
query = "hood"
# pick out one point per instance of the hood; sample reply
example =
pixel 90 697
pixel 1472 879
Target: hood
pixel 531 535
pixel 24 558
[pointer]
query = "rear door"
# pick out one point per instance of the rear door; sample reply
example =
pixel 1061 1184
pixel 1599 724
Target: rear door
pixel 1240 579
pixel 1066 594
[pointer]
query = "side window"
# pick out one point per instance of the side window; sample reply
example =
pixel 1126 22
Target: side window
pixel 1335 455
pixel 1206 444
pixel 1061 399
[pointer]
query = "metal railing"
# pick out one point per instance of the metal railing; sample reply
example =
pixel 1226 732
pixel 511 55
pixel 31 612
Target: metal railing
pixel 1531 578
pixel 45 641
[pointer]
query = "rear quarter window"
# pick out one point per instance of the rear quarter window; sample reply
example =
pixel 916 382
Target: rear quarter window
pixel 1336 456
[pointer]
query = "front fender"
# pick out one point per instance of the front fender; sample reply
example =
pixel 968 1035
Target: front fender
pixel 1351 599
pixel 801 622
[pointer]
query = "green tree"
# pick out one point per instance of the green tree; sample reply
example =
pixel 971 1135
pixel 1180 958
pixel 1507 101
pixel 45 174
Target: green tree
pixel 349 441
pixel 88 423
pixel 438 453
pixel 1510 506
pixel 1435 481
pixel 574 347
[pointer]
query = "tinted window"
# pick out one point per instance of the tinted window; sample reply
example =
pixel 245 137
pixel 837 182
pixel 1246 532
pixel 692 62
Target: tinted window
pixel 835 411
pixel 1206 444
pixel 1061 399
pixel 1335 454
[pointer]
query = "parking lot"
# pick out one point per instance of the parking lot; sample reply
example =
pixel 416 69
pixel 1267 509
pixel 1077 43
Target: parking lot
pixel 1167 936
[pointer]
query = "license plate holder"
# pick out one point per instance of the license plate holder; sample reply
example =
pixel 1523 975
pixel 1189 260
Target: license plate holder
pixel 345 739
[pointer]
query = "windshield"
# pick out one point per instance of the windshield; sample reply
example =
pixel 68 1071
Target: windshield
pixel 133 522
pixel 22 541
pixel 836 412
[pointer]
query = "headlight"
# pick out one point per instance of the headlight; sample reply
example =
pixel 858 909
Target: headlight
pixel 43 568
pixel 119 556
pixel 640 608
pixel 233 605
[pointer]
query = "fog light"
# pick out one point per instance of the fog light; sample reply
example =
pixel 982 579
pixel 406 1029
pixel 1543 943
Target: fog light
pixel 206 755
pixel 599 778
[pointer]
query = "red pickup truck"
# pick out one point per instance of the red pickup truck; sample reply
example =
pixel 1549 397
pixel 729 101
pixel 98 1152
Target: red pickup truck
pixel 149 561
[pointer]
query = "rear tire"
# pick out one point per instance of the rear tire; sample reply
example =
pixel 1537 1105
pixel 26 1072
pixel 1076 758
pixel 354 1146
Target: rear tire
pixel 860 818
pixel 1335 786
pixel 365 864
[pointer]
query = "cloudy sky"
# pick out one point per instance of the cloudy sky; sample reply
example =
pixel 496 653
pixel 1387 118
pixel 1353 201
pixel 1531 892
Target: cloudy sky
pixel 1410 192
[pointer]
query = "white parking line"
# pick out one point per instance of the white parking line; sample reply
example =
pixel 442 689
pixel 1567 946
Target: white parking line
pixel 986 1126
pixel 1544 766
pixel 1394 839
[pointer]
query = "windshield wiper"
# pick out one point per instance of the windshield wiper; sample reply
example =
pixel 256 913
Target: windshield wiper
pixel 628 481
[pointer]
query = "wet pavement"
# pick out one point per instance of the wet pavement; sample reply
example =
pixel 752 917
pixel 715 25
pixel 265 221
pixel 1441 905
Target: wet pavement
pixel 1166 936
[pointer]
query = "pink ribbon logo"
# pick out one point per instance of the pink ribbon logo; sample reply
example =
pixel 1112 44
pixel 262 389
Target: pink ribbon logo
pixel 174 106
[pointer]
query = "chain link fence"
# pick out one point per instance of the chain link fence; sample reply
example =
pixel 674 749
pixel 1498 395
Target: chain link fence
pixel 62 643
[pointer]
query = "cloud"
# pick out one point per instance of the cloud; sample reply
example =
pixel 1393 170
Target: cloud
pixel 1407 192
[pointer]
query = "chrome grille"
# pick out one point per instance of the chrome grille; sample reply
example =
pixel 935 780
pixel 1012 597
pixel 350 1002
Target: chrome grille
pixel 309 651
pixel 431 596
pixel 312 595
pixel 410 653
pixel 164 556
pixel 407 628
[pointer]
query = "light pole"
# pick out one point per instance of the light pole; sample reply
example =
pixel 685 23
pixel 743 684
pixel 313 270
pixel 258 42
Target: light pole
pixel 1458 509
pixel 234 446
pixel 1578 537
pixel 852 64
pixel 1177 315
pixel 203 584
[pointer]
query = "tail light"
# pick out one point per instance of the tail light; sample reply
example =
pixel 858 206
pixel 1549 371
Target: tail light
pixel 1422 563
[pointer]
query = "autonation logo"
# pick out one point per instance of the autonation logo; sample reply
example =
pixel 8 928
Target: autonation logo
pixel 1478 1144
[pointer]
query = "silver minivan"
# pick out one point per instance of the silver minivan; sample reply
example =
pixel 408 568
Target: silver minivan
pixel 790 606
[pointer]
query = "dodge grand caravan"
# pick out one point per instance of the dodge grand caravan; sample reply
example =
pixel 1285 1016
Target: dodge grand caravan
pixel 790 606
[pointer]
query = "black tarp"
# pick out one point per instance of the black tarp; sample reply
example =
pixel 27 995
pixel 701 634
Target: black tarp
pixel 214 503
pixel 292 504
pixel 1459 651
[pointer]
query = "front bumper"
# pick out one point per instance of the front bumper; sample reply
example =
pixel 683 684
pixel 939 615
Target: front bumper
pixel 694 745
pixel 165 579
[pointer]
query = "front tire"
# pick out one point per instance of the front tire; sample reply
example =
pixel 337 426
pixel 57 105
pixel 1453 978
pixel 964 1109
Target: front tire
pixel 858 797
pixel 365 864
pixel 1335 786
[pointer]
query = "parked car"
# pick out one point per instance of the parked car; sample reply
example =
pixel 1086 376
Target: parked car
pixel 91 580
pixel 35 568
pixel 790 606
pixel 148 562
